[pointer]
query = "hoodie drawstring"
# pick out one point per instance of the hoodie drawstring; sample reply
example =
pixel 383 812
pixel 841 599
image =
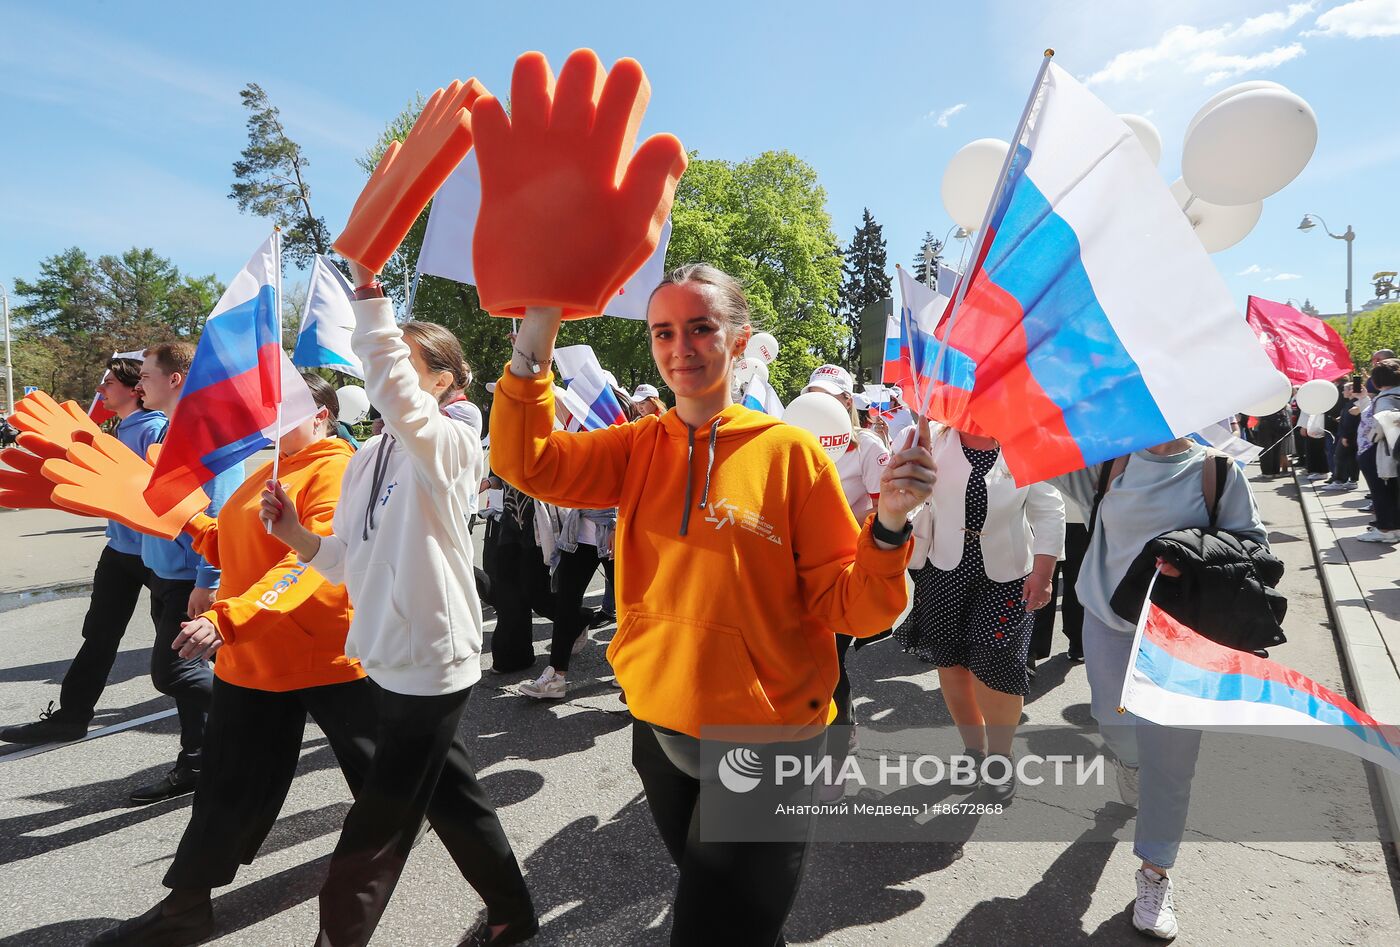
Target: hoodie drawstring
pixel 690 471
pixel 710 465
pixel 381 467
pixel 689 477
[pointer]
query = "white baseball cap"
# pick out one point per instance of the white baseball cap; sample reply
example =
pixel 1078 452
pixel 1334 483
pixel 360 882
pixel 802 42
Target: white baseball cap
pixel 832 379
pixel 644 392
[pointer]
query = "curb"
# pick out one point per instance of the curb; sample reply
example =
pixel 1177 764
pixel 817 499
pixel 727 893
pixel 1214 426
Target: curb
pixel 19 598
pixel 1369 663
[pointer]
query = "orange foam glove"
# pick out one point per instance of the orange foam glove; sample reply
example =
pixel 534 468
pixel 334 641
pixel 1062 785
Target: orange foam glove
pixel 102 477
pixel 22 485
pixel 409 175
pixel 40 414
pixel 568 212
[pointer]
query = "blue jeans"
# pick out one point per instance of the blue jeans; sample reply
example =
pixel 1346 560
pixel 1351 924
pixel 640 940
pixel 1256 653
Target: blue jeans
pixel 1164 756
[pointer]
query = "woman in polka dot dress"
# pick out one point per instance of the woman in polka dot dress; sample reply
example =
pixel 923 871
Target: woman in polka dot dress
pixel 984 554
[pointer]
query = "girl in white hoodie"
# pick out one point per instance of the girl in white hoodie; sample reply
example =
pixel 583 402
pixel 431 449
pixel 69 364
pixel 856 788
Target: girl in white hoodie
pixel 401 545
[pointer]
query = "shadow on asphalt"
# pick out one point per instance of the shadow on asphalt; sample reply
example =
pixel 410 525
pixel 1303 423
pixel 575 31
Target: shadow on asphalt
pixel 611 881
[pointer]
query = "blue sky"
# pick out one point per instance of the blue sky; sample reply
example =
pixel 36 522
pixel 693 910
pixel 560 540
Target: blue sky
pixel 122 119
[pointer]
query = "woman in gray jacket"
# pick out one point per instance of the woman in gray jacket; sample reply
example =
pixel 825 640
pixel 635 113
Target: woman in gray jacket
pixel 1160 490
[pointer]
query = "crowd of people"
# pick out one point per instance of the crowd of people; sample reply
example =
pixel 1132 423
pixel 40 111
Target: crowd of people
pixel 744 569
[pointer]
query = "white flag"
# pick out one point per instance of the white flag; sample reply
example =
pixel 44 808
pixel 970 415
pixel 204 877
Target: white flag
pixel 326 322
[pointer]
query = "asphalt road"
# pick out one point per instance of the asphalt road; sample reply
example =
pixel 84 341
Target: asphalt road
pixel 74 856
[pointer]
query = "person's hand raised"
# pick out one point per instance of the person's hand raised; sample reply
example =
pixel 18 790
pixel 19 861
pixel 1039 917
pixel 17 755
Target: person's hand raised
pixel 568 212
pixel 408 176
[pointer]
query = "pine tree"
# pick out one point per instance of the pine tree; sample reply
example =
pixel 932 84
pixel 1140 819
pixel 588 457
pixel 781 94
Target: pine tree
pixel 926 262
pixel 269 181
pixel 1309 308
pixel 865 282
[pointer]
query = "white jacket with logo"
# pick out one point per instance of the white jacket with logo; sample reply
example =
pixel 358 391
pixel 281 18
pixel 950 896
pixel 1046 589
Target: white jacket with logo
pixel 1022 522
pixel 403 549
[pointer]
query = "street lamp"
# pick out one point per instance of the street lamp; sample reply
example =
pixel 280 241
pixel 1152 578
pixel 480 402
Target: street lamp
pixel 9 369
pixel 931 274
pixel 1350 235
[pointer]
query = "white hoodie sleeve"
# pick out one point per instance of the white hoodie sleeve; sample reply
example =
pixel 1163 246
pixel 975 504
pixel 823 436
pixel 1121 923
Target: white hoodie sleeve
pixel 441 449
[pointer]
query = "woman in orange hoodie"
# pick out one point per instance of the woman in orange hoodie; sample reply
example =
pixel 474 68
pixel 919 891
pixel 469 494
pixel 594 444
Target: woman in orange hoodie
pixel 279 630
pixel 737 563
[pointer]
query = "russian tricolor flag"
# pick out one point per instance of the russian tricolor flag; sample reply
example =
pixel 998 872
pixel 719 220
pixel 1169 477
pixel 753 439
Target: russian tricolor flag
pixel 759 395
pixel 585 379
pixel 229 404
pixel 1097 323
pixel 1180 679
pixel 921 309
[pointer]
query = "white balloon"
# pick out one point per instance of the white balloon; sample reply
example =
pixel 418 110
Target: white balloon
pixel 1147 134
pixel 1230 93
pixel 1218 228
pixel 1249 146
pixel 354 404
pixel 1279 396
pixel 763 347
pixel 824 416
pixel 1317 396
pixel 746 368
pixel 970 179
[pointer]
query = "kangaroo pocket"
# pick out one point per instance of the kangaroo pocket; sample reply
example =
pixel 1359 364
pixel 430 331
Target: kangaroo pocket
pixel 684 674
pixel 380 635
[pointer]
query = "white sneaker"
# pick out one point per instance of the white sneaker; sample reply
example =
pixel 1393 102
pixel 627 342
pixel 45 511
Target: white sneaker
pixel 1334 487
pixel 1127 784
pixel 1389 537
pixel 551 685
pixel 1154 913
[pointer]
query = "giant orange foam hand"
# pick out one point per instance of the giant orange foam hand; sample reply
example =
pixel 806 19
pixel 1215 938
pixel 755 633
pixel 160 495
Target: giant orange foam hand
pixel 568 212
pixel 408 176
pixel 100 476
pixel 22 485
pixel 40 414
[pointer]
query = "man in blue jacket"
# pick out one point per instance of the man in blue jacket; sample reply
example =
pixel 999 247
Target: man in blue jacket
pixel 182 587
pixel 116 584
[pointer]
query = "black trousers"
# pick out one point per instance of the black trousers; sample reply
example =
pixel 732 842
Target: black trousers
pixel 1043 627
pixel 188 680
pixel 420 767
pixel 571 578
pixel 116 588
pixel 734 893
pixel 519 589
pixel 252 746
pixel 1344 461
pixel 1071 611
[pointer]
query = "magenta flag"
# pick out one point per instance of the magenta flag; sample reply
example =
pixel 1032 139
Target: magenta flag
pixel 1303 347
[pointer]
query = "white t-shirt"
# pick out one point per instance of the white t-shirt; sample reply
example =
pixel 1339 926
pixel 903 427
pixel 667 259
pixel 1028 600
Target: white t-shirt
pixel 860 469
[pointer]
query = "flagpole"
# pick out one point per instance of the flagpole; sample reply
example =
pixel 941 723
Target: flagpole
pixel 412 293
pixel 1137 642
pixel 966 279
pixel 277 305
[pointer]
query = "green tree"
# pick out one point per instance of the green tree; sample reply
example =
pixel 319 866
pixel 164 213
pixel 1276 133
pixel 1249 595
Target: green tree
pixel 1370 331
pixel 864 282
pixel 269 181
pixel 764 221
pixel 78 311
pixel 1308 308
pixel 926 262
